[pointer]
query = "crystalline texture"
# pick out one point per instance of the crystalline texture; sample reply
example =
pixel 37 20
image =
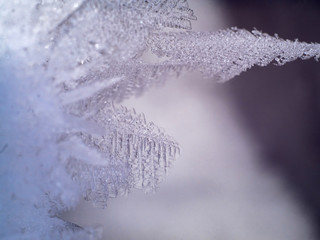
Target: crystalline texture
pixel 115 82
pixel 227 53
pixel 124 27
pixel 62 65
pixel 138 155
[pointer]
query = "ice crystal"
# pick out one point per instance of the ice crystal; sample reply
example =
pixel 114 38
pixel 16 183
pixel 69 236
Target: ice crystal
pixel 227 53
pixel 61 70
pixel 139 156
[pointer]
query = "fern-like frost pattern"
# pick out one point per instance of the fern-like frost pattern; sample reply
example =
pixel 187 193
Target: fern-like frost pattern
pixel 137 154
pixel 64 67
pixel 227 53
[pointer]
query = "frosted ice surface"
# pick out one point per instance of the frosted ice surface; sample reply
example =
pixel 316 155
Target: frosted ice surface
pixel 63 64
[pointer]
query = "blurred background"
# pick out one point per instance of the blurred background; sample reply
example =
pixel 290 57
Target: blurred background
pixel 250 162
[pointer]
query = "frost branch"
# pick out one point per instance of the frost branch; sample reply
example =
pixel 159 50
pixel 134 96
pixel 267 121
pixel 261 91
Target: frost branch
pixel 61 70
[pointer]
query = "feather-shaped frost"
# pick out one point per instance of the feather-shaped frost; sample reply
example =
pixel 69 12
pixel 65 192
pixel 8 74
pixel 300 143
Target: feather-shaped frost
pixel 134 153
pixel 99 32
pixel 227 53
pixel 62 134
pixel 114 83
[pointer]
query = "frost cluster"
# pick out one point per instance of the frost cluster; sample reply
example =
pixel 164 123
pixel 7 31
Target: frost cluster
pixel 63 66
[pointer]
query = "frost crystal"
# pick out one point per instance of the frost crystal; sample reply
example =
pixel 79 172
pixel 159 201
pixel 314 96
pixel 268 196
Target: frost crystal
pixel 62 69
pixel 227 53
pixel 139 156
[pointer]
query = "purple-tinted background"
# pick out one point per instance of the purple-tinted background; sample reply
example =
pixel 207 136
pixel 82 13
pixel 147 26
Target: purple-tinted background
pixel 281 105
